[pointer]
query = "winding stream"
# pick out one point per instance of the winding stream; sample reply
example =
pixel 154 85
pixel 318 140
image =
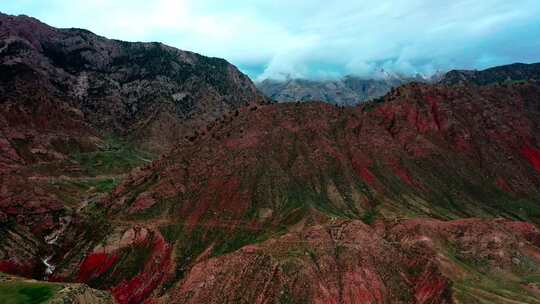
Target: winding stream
pixel 49 267
pixel 51 240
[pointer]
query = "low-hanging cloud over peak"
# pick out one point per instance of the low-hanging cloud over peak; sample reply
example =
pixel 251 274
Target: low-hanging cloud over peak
pixel 316 39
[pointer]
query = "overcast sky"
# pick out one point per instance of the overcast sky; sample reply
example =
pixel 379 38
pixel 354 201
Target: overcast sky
pixel 315 38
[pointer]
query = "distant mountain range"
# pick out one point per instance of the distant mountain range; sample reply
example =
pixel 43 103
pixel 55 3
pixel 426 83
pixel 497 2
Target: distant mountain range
pixel 349 90
pixel 352 90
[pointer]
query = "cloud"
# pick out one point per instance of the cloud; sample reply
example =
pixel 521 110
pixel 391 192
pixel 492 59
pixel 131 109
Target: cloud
pixel 313 38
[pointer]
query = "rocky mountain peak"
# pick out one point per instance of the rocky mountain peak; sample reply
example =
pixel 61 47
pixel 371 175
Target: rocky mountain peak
pixel 120 87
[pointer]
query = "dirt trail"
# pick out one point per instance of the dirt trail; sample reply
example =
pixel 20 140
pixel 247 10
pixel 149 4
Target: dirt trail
pixel 63 178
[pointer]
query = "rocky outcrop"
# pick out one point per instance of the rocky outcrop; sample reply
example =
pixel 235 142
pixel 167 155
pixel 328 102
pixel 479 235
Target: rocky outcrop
pixel 507 73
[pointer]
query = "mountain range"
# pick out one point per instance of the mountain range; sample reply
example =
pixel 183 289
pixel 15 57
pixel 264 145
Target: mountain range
pixel 139 173
pixel 353 90
pixel 350 90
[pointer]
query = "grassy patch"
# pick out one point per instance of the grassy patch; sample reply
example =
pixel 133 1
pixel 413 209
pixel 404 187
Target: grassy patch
pixel 240 239
pixel 486 290
pixel 106 185
pixel 531 279
pixel 481 285
pixel 171 233
pixel 370 216
pixel 115 158
pixel 72 192
pixel 131 263
pixel 134 260
pixel 189 245
pixel 26 293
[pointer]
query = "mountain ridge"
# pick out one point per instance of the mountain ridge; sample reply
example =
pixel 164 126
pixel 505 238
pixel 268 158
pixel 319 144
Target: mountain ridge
pixel 103 78
pixel 353 90
pixel 511 72
pixel 274 192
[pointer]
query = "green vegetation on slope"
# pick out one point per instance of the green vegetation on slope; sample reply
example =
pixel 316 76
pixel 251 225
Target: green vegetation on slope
pixel 19 292
pixel 115 158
